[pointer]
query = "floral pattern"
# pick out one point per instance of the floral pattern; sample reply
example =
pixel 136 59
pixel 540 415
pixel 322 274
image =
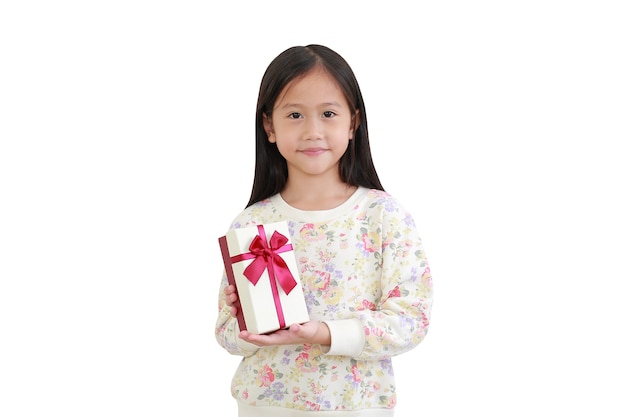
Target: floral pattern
pixel 367 264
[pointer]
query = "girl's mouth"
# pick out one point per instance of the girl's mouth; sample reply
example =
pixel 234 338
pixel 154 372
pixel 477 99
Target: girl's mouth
pixel 313 151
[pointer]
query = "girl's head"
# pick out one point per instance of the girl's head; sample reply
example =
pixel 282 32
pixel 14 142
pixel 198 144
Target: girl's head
pixel 356 166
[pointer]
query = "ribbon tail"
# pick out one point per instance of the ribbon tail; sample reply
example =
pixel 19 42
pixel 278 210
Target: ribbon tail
pixel 283 274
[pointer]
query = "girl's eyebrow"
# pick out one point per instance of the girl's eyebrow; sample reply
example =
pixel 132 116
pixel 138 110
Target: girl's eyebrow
pixel 297 105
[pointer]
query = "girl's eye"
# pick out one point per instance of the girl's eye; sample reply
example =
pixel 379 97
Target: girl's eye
pixel 328 114
pixel 295 115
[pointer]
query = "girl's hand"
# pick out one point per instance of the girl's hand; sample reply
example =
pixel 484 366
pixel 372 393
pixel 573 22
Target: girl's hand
pixel 232 299
pixel 313 332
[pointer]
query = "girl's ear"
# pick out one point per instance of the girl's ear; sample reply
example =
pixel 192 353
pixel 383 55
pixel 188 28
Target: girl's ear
pixel 269 129
pixel 356 121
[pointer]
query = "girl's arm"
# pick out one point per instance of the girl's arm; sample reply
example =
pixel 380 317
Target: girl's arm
pixel 226 327
pixel 398 320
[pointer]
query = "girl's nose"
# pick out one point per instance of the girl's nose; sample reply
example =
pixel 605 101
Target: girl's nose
pixel 313 129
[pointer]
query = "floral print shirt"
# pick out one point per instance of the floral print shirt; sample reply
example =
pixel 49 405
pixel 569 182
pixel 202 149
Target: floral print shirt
pixel 364 273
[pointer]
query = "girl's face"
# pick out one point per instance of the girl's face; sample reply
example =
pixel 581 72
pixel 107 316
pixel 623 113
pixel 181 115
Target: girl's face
pixel 311 125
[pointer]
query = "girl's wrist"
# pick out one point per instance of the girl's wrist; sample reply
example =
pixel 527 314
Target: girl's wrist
pixel 322 336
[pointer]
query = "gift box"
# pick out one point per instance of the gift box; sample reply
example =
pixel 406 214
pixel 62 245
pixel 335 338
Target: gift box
pixel 260 262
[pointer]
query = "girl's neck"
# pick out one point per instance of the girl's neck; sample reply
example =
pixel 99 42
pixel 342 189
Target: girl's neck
pixel 316 195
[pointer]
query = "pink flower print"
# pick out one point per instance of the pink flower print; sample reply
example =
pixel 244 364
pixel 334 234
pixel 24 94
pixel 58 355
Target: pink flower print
pixel 309 233
pixel 324 257
pixel 323 280
pixel 303 261
pixel 394 293
pixel 265 377
pixel 343 242
pixel 245 394
pixel 296 394
pixel 316 389
pixel 427 278
pixel 357 376
pixel 379 333
pixel 312 406
pixel 303 363
pixel 366 305
pixel 368 243
pixel 425 321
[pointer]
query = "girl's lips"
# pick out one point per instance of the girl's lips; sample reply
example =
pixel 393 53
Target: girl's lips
pixel 313 151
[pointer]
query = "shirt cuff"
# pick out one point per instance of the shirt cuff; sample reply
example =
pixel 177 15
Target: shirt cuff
pixel 347 337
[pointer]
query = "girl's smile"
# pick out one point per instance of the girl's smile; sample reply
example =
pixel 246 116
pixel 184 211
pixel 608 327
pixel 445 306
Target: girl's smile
pixel 313 151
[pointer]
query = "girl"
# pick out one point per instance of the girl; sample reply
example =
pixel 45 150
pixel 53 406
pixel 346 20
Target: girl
pixel 363 271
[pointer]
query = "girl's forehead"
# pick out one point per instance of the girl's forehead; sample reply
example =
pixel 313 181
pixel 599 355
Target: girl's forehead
pixel 309 85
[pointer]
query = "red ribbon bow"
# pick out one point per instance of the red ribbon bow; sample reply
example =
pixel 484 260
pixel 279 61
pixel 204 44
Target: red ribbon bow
pixel 267 257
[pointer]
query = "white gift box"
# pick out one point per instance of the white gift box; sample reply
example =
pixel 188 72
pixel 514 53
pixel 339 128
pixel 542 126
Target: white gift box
pixel 260 262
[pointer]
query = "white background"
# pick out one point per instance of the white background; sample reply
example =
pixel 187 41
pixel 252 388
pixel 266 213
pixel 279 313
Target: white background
pixel 127 132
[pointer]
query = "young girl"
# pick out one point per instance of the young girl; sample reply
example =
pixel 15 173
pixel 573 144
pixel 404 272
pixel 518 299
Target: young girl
pixel 363 271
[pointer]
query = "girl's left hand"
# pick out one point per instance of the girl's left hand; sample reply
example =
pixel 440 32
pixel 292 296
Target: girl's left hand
pixel 313 332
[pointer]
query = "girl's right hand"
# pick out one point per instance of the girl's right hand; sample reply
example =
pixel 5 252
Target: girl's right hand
pixel 232 299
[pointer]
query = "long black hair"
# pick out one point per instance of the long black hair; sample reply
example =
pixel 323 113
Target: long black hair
pixel 356 166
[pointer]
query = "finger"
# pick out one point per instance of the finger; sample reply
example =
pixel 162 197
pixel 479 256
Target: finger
pixel 231 299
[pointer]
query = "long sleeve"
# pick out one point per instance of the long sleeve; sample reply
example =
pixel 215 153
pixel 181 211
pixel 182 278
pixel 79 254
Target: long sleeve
pixel 392 288
pixel 227 329
pixel 401 317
